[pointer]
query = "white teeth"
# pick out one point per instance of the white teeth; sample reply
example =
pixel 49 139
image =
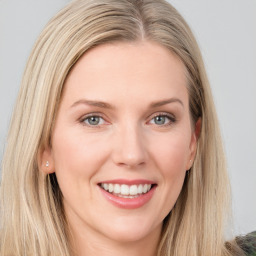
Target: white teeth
pixel 110 188
pixel 145 188
pixel 140 188
pixel 133 190
pixel 105 186
pixel 117 189
pixel 126 190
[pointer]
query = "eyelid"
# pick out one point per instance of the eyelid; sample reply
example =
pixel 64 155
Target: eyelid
pixel 165 114
pixel 94 114
pixel 170 116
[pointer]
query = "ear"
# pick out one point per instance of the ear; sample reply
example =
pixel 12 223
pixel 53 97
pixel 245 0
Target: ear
pixel 193 144
pixel 46 161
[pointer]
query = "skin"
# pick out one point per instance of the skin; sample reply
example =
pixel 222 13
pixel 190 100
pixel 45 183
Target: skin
pixel 127 143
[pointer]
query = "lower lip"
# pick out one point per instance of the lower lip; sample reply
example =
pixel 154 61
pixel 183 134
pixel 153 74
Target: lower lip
pixel 129 203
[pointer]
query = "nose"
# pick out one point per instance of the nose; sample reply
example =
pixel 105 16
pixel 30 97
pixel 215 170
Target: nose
pixel 129 147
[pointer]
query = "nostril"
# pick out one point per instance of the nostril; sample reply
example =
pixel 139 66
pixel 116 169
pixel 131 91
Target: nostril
pixel 132 159
pixel 130 165
pixel 128 147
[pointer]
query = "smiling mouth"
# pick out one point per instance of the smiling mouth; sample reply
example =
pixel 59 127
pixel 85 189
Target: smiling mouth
pixel 126 191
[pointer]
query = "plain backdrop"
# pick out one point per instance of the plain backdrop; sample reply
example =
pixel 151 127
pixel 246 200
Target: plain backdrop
pixel 226 33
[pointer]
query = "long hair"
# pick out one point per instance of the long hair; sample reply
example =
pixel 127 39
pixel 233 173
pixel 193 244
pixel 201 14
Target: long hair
pixel 32 217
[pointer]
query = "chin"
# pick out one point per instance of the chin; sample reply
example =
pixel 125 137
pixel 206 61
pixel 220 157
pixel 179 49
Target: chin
pixel 132 231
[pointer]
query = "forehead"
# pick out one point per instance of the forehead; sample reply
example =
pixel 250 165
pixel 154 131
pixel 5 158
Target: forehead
pixel 143 70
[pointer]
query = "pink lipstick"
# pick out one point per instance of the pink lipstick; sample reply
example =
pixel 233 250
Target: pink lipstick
pixel 128 194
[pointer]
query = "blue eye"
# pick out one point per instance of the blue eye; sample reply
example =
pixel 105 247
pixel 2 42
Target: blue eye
pixel 162 119
pixel 93 120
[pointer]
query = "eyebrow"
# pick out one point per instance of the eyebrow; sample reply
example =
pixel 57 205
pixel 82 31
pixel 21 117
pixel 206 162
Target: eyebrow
pixel 102 104
pixel 164 102
pixel 94 103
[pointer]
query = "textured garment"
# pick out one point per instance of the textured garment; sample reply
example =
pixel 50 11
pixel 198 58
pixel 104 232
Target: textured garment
pixel 248 243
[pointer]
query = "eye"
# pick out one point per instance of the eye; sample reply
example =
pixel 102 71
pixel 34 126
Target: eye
pixel 162 120
pixel 93 120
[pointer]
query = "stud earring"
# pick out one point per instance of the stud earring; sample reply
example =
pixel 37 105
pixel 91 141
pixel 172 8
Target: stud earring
pixel 47 164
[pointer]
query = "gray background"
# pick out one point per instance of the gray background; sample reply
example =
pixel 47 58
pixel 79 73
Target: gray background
pixel 226 32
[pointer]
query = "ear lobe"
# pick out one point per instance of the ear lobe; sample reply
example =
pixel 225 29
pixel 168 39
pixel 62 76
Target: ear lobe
pixel 46 162
pixel 193 143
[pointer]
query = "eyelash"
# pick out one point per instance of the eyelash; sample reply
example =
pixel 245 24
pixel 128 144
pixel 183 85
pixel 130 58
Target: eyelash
pixel 95 115
pixel 171 118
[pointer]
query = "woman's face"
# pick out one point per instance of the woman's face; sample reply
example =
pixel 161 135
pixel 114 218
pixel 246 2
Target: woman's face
pixel 122 140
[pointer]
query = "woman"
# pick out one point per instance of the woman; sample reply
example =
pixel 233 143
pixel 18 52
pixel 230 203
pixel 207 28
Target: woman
pixel 114 146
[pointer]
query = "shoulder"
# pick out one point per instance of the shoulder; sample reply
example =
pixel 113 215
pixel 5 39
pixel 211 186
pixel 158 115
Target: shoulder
pixel 247 243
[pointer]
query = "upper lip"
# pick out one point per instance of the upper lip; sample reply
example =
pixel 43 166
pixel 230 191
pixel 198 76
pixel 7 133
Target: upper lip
pixel 128 182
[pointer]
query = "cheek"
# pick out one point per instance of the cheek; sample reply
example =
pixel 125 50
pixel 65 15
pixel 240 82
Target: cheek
pixel 171 154
pixel 77 159
pixel 170 157
pixel 76 155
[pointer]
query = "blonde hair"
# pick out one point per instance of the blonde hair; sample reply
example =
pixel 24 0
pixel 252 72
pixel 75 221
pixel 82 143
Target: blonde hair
pixel 32 217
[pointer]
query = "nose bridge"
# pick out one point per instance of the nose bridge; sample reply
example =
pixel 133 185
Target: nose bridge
pixel 129 147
